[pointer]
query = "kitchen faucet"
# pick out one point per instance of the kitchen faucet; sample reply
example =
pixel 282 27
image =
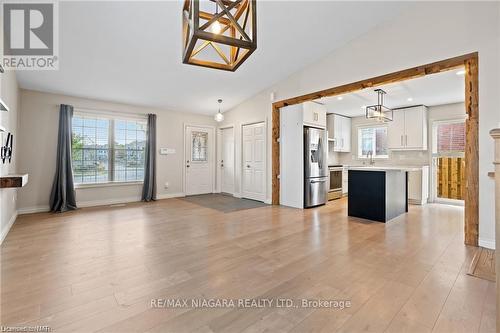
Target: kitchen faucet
pixel 370 153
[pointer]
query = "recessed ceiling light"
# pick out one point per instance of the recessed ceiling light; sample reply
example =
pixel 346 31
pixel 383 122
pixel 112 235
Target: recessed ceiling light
pixel 410 99
pixel 461 72
pixel 340 98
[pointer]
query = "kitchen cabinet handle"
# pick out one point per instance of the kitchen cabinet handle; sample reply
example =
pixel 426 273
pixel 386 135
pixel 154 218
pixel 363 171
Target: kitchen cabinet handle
pixel 401 140
pixel 406 140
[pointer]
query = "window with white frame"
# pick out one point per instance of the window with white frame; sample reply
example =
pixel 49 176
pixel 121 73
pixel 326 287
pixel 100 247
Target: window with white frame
pixel 107 149
pixel 374 140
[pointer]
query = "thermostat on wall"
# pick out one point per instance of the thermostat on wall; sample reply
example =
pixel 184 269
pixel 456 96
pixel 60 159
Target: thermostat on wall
pixel 167 151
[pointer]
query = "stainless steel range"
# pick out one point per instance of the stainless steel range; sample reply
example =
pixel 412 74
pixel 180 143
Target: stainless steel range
pixel 335 182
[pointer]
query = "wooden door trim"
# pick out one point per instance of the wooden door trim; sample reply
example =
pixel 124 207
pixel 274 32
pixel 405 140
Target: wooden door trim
pixel 471 64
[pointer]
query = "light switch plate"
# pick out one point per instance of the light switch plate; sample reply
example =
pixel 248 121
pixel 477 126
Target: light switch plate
pixel 167 151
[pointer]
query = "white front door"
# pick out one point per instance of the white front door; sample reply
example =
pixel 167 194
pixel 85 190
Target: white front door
pixel 227 160
pixel 198 160
pixel 254 162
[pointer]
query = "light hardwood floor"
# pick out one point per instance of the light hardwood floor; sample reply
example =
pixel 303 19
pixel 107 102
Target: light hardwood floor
pixel 97 269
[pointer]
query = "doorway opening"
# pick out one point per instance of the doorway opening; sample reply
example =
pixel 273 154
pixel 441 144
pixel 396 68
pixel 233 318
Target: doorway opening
pixel 226 169
pixel 470 65
pixel 448 161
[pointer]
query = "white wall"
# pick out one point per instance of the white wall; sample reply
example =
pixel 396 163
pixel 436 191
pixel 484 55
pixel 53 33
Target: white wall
pixel 10 95
pixel 427 32
pixel 38 122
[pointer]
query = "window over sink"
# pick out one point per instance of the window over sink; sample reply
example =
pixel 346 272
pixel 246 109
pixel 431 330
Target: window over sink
pixel 374 140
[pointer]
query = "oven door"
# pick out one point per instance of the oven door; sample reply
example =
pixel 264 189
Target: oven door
pixel 335 180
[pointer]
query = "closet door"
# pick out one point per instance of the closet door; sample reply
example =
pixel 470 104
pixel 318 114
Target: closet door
pixel 254 162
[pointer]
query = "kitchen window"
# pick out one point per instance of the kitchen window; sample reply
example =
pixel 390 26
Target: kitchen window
pixel 372 139
pixel 450 138
pixel 107 149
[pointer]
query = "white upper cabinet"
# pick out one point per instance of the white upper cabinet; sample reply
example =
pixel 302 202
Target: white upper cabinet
pixel 346 135
pixel 408 130
pixel 416 128
pixel 314 114
pixel 396 131
pixel 339 132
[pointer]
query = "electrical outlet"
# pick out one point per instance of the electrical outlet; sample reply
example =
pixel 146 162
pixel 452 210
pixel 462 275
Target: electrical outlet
pixel 166 185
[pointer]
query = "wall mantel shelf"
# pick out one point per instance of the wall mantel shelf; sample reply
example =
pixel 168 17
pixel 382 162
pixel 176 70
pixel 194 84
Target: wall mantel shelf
pixel 9 181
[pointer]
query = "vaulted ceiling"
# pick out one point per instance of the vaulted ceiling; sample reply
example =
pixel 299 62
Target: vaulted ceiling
pixel 130 52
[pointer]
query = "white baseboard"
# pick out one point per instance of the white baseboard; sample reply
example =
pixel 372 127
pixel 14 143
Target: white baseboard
pixel 268 201
pixel 34 209
pixel 415 202
pixel 80 204
pixel 9 225
pixel 487 243
pixel 96 203
pixel 170 195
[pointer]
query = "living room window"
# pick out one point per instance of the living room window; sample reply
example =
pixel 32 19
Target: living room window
pixel 372 139
pixel 107 149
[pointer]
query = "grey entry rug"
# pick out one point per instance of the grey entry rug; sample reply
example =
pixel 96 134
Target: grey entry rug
pixel 223 203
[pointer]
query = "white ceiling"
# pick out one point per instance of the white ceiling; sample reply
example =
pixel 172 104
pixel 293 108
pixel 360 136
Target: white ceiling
pixel 130 52
pixel 437 89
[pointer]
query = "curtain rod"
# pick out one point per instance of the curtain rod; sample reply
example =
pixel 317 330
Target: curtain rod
pixel 104 111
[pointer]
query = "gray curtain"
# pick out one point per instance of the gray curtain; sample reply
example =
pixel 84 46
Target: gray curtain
pixel 62 196
pixel 149 187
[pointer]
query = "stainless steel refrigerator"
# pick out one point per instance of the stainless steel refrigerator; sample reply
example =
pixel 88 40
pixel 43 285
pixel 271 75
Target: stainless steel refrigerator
pixel 315 167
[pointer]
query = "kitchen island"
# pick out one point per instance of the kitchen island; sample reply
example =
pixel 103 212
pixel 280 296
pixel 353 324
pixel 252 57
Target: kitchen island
pixel 378 193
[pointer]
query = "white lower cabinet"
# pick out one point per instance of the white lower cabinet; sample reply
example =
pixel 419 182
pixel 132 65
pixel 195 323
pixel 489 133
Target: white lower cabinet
pixel 418 186
pixel 345 180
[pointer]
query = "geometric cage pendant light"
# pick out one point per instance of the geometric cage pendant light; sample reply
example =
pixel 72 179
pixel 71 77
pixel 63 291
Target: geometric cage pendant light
pixel 379 111
pixel 221 34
